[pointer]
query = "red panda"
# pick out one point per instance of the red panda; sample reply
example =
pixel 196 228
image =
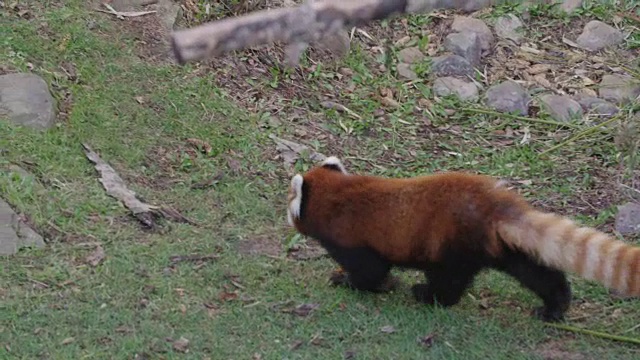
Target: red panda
pixel 451 226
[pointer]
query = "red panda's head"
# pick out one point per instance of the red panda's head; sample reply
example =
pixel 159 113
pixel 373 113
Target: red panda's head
pixel 294 196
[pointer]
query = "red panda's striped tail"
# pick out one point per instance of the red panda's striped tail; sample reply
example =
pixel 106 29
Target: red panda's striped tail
pixel 563 244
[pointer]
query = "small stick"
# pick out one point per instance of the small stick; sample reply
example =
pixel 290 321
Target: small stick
pixel 581 134
pixel 594 333
pixel 193 258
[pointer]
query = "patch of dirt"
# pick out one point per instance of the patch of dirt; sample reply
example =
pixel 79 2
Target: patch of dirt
pixel 557 350
pixel 258 245
pixel 150 38
pixel 166 163
pixel 309 251
pixel 148 32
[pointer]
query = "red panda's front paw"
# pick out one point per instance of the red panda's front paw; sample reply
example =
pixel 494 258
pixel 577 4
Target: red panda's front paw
pixel 390 283
pixel 546 315
pixel 339 278
pixel 421 293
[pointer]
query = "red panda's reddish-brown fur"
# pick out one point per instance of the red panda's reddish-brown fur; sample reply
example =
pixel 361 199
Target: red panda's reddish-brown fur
pixel 452 225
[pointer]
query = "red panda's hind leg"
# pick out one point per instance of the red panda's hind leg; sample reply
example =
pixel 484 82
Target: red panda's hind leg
pixel 549 284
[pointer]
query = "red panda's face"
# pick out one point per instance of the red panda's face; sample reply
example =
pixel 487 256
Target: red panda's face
pixel 294 199
pixel 294 196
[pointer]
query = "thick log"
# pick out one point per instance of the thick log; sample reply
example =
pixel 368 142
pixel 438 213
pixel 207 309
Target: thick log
pixel 298 26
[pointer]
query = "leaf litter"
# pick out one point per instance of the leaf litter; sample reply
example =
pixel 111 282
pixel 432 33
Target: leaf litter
pixel 291 151
pixel 96 257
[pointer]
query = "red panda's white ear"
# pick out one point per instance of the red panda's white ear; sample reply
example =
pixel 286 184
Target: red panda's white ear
pixel 334 163
pixel 295 198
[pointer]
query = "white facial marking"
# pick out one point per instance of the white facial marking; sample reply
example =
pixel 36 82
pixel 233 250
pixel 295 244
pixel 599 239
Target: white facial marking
pixel 501 183
pixel 295 198
pixel 332 160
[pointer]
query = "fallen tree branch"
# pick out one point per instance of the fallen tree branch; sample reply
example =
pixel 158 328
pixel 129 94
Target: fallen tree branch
pixel 298 26
pixel 115 187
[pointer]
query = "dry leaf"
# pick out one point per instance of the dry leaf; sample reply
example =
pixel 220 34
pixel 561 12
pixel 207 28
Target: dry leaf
pixel 124 330
pixel 387 101
pixel 291 151
pixel 200 145
pixel 426 341
pixel 296 345
pixel 388 329
pixel 68 341
pixel 538 69
pixel 234 164
pixel 349 354
pixel 305 309
pixel 542 80
pixel 181 345
pixel 228 296
pixel 139 99
pixel 340 108
pixel 96 256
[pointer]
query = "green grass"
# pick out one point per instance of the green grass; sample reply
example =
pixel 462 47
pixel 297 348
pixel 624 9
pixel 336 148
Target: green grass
pixel 54 305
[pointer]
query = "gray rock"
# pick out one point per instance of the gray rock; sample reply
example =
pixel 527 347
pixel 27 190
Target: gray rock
pixel 451 65
pixel 410 55
pixel 169 12
pixel 338 44
pixel 598 35
pixel 20 172
pixel 619 89
pixel 596 105
pixel 570 6
pixel 477 26
pixel 628 219
pixel 561 108
pixel 14 233
pixel 465 44
pixel 510 27
pixel 445 86
pixel 26 100
pixel 404 70
pixel 509 97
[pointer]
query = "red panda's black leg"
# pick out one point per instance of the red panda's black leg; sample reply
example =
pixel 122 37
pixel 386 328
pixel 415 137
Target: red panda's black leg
pixel 364 269
pixel 549 284
pixel 445 285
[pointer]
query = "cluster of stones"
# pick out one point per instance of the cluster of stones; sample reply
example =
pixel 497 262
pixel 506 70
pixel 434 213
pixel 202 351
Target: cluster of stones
pixel 470 40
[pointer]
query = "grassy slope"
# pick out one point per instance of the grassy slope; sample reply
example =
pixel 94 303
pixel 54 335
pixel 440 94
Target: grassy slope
pixel 135 302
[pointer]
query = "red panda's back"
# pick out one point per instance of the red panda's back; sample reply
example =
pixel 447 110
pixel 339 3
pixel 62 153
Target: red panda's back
pixel 407 220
